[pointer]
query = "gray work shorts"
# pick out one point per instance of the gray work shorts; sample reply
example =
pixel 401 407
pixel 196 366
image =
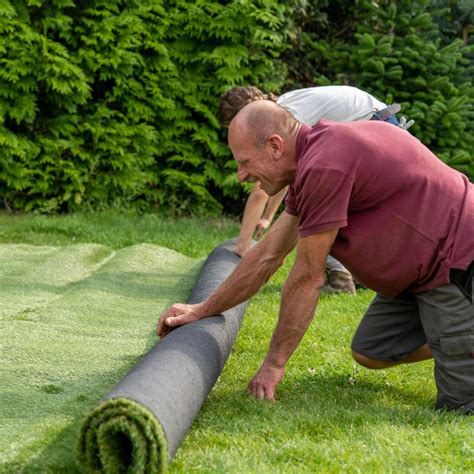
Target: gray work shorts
pixel 443 317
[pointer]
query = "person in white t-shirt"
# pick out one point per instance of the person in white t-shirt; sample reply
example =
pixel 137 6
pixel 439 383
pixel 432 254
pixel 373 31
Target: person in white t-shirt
pixel 337 103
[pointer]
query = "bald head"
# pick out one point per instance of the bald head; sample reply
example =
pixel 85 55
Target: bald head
pixel 262 118
pixel 262 137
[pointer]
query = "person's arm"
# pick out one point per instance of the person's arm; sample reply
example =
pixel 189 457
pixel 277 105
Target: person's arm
pixel 249 276
pixel 270 210
pixel 298 304
pixel 253 211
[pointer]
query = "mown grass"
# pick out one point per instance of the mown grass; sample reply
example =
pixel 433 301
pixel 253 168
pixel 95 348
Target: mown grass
pixel 330 416
pixel 190 236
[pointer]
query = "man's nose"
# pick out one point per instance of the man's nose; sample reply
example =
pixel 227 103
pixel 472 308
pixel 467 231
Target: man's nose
pixel 242 175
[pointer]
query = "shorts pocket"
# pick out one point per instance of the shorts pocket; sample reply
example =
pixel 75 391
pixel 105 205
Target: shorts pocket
pixel 457 343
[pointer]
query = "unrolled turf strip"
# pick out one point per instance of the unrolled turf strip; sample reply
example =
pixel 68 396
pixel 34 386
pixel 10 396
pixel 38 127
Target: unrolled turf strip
pixel 140 424
pixel 74 320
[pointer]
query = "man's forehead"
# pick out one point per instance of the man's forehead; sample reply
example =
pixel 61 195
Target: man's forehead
pixel 236 136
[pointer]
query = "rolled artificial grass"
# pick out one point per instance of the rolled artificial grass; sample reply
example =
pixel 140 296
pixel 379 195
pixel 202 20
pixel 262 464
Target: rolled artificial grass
pixel 121 435
pixel 141 423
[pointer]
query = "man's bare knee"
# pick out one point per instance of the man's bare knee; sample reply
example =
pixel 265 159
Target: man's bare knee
pixel 371 363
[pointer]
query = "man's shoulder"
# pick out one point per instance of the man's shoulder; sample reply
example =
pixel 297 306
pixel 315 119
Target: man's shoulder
pixel 343 136
pixel 350 148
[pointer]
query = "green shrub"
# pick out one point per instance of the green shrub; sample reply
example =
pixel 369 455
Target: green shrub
pixel 112 103
pixel 387 48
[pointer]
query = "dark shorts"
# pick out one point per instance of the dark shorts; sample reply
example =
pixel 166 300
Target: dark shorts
pixel 442 317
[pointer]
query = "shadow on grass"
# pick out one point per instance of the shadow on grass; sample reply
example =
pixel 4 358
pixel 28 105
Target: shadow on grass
pixel 58 456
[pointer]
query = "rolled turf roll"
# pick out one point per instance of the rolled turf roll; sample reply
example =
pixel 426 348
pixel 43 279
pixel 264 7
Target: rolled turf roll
pixel 139 425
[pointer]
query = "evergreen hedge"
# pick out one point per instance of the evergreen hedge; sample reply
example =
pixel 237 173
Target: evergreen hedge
pixel 109 103
pixel 112 103
pixel 394 50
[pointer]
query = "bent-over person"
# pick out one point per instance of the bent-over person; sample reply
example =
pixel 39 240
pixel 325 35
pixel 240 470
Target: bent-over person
pixel 309 105
pixel 385 206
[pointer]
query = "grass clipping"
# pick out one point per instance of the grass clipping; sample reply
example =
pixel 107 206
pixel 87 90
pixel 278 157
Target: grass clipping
pixel 121 435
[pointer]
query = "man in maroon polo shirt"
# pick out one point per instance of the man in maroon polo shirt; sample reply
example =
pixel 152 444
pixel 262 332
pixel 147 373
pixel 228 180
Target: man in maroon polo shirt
pixel 397 217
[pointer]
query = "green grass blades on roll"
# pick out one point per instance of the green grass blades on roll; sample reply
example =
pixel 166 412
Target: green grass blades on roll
pixel 121 435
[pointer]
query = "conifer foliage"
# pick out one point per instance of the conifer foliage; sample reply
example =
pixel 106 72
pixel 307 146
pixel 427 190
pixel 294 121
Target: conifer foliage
pixel 112 103
pixel 394 50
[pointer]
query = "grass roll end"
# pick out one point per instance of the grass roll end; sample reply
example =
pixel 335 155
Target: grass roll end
pixel 121 435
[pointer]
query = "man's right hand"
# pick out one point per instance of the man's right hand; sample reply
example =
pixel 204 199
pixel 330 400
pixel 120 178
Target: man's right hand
pixel 177 315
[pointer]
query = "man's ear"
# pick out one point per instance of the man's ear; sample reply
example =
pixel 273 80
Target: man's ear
pixel 276 145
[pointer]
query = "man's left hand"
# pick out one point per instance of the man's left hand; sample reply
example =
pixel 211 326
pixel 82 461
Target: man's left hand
pixel 263 385
pixel 262 226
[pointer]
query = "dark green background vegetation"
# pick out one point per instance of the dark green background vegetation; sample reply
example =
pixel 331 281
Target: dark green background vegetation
pixel 111 104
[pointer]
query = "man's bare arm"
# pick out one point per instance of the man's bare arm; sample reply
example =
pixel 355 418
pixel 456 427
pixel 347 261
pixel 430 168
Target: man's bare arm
pixel 254 270
pixel 270 210
pixel 298 304
pixel 253 212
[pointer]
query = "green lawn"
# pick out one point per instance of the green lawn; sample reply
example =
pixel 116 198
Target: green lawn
pixel 331 415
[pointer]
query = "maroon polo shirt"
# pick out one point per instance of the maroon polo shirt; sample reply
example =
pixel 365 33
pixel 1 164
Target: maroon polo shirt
pixel 404 217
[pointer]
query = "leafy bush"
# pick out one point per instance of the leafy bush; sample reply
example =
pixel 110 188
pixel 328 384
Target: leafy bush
pixel 387 48
pixel 112 103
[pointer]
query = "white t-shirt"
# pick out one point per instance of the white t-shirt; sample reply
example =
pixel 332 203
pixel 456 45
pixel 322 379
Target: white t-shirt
pixel 338 103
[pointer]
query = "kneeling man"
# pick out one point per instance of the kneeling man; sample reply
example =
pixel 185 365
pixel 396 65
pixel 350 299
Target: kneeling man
pixel 397 217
